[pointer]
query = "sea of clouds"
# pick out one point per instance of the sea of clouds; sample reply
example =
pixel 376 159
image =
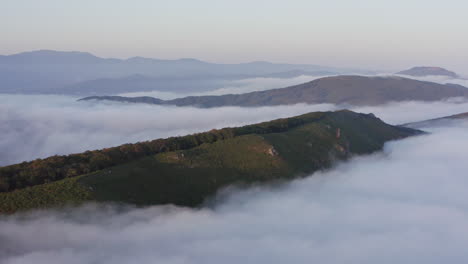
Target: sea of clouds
pixel 406 204
pixel 38 126
pixel 233 87
pixel 262 84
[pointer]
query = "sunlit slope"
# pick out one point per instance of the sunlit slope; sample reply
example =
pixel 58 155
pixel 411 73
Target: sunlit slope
pixel 276 150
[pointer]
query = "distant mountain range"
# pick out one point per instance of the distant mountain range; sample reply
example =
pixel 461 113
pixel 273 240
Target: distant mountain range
pixel 187 170
pixel 352 90
pixel 56 72
pixel 428 71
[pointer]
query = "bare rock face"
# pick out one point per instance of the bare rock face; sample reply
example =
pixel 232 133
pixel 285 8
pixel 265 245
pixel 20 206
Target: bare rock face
pixel 428 71
pixel 272 151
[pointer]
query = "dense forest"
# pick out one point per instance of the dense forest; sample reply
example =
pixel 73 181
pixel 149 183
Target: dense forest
pixel 56 168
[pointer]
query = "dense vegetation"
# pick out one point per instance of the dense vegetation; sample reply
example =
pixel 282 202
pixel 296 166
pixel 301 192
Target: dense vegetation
pixel 59 167
pixel 185 175
pixel 64 192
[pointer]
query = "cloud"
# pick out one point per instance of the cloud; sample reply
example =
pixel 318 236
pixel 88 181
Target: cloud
pixel 405 205
pixel 234 87
pixel 404 112
pixel 261 84
pixel 438 79
pixel 38 126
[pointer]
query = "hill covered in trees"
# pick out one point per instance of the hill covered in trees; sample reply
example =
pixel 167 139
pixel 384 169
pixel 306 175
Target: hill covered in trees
pixel 186 170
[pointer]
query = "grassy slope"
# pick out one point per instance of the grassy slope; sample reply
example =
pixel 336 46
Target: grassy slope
pixel 187 177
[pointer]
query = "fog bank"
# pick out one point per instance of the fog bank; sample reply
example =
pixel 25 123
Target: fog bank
pixel 234 87
pixel 405 205
pixel 41 126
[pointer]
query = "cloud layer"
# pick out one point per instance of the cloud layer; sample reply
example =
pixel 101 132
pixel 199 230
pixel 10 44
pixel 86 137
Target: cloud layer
pixel 440 79
pixel 234 87
pixel 261 84
pixel 405 205
pixel 40 126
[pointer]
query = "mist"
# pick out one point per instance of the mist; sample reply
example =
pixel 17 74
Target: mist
pixel 233 87
pixel 38 126
pixel 440 79
pixel 262 84
pixel 404 205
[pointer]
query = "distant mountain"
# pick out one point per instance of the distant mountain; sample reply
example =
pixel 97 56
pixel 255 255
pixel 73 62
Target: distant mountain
pixel 181 84
pixel 441 121
pixel 47 71
pixel 353 90
pixel 53 57
pixel 428 71
pixel 143 83
pixel 187 170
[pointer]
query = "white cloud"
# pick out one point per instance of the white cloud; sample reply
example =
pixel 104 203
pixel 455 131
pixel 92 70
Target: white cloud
pixel 405 205
pixel 404 112
pixel 235 87
pixel 41 126
pixel 439 79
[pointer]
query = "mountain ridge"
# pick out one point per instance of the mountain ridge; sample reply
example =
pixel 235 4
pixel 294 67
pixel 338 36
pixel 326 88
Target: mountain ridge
pixel 421 71
pixel 56 72
pixel 187 170
pixel 343 89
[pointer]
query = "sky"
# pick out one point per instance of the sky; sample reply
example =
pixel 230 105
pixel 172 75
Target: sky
pixel 371 34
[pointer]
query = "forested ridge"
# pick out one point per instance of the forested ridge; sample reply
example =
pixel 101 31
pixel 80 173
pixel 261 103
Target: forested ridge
pixel 55 168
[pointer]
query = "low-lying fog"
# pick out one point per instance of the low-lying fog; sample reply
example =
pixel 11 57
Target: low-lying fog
pixel 37 126
pixel 405 205
pixel 261 84
pixel 234 87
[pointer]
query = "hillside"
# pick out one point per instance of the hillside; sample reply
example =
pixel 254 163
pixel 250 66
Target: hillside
pixel 353 90
pixel 186 170
pixel 428 71
pixel 446 120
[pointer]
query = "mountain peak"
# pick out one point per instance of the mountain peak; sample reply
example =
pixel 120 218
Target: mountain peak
pixel 427 71
pixel 51 57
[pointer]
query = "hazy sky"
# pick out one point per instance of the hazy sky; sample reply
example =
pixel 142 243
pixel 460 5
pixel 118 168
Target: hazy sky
pixel 364 33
